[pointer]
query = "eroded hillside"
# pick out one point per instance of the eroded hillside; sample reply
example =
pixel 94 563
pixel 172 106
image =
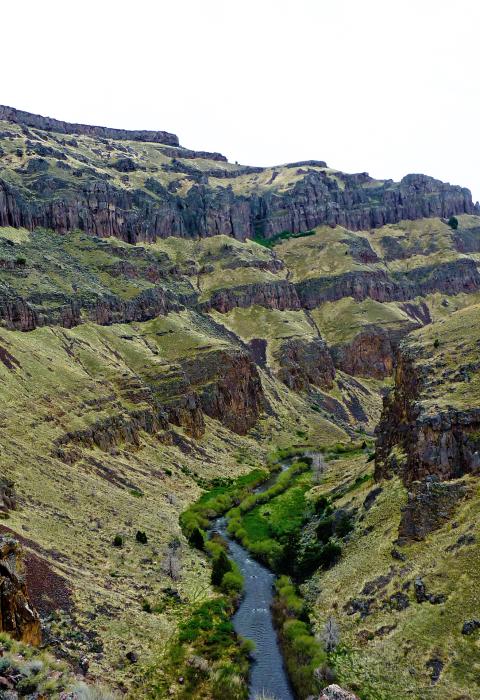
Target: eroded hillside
pixel 167 320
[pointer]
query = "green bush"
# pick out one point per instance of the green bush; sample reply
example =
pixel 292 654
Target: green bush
pixel 197 538
pixel 453 222
pixel 118 541
pixel 301 651
pixel 221 566
pixel 141 537
pixel 232 582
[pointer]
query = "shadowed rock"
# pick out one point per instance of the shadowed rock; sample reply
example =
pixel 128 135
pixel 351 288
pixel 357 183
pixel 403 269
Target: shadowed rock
pixel 17 615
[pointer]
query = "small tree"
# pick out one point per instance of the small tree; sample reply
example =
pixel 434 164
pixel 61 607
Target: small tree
pixel 330 635
pixel 453 222
pixel 141 537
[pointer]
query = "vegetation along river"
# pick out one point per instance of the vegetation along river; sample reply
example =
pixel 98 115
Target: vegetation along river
pixel 253 619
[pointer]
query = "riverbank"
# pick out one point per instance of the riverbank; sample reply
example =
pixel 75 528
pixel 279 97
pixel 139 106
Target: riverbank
pixel 252 529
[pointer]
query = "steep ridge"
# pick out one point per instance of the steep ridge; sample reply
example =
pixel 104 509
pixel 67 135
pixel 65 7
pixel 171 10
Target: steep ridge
pixel 429 433
pixel 431 416
pixel 113 182
pixel 17 116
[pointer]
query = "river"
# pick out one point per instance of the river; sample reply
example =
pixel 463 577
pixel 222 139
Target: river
pixel 253 619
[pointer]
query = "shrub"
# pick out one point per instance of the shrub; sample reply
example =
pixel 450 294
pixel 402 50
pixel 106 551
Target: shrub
pixel 330 553
pixel 21 261
pixel 197 538
pixel 232 582
pixel 221 566
pixel 301 651
pixel 118 541
pixel 436 343
pixel 141 537
pixel 325 528
pixel 330 635
pixel 82 691
pixel 453 222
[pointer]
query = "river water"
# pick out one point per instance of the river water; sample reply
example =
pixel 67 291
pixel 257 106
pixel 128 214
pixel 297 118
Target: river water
pixel 253 619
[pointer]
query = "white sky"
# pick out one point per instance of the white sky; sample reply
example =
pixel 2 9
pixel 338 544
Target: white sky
pixel 387 86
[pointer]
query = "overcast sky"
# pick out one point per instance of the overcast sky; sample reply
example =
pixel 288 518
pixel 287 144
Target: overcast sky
pixel 387 86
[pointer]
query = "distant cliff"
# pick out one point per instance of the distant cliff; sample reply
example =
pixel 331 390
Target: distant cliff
pixel 179 192
pixel 36 121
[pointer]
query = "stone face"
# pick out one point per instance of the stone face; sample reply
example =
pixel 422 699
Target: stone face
pixel 444 445
pixel 17 116
pixel 229 388
pixel 369 354
pixel 431 504
pixel 19 314
pixel 8 499
pixel 304 362
pixel 279 294
pixel 470 626
pixel 157 211
pixel 451 277
pixel 17 615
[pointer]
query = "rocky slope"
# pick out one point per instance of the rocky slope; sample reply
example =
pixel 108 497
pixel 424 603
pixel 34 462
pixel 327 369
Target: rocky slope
pixel 430 426
pixel 106 182
pixel 17 615
pixel 432 414
pixel 167 319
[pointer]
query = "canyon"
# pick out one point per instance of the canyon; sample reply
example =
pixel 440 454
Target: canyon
pixel 168 322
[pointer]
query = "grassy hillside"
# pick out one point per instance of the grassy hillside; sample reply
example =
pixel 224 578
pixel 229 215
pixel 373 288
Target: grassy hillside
pixel 136 377
pixel 58 382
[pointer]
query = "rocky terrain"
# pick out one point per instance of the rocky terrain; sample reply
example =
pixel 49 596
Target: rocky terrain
pixel 67 176
pixel 167 320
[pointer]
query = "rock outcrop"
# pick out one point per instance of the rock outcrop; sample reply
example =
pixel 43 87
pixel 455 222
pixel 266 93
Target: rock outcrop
pixel 279 294
pixel 445 444
pixel 102 209
pixel 17 116
pixel 305 362
pixel 8 499
pixel 335 692
pixel 229 388
pixel 427 434
pixel 17 615
pixel 368 354
pixel 318 199
pixel 450 278
pixel 21 314
pixel 224 385
pixel 89 201
pixel 431 504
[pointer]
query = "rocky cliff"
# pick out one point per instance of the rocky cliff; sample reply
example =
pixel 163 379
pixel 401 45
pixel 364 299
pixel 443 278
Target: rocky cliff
pixel 17 615
pixel 87 185
pixel 444 443
pixel 429 432
pixel 17 116
pixel 305 362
